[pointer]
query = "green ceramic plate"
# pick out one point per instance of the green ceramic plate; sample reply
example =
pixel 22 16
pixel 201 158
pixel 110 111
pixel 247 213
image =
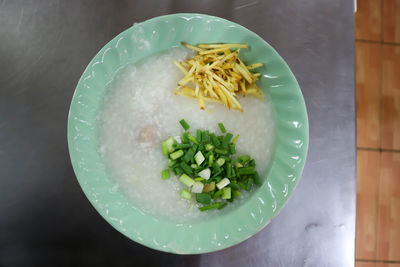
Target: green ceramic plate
pixel 278 82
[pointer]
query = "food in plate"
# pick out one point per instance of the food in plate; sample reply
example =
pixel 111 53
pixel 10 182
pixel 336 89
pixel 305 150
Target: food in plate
pixel 140 111
pixel 217 74
pixel 208 165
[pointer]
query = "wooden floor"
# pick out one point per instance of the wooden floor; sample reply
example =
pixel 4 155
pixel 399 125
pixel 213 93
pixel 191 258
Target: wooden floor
pixel 378 133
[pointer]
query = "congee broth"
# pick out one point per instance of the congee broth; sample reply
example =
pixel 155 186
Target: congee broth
pixel 140 110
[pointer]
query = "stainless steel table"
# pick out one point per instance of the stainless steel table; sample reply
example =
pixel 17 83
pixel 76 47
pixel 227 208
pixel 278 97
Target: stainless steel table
pixel 45 219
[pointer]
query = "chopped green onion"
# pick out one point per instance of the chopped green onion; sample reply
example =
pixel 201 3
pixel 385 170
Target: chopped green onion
pixel 243 159
pixel 209 147
pixel 168 146
pixel 222 127
pixel 186 168
pixel 220 161
pixel 194 166
pixel 184 124
pixel 171 162
pixel 216 168
pixel 257 179
pixel 203 198
pixel 209 207
pixel 246 170
pixel 186 194
pixel 198 134
pixel 217 178
pixel 186 180
pixel 252 163
pixel 234 186
pixel 224 182
pixel 178 171
pixel 233 172
pixel 190 153
pixel 176 154
pixel 249 184
pixel 221 151
pixel 229 170
pixel 180 146
pixel 222 205
pixel 170 143
pixel 226 140
pixel 165 174
pixel 199 158
pixel 205 137
pixel 164 148
pixel 215 140
pixel 185 138
pixel 217 194
pixel 197 187
pixel 205 174
pixel 193 139
pixel 226 193
pixel 211 160
pixel 221 176
pixel 232 148
pixel 237 164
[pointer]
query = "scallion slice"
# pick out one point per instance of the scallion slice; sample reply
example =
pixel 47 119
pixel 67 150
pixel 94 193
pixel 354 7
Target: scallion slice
pixel 182 146
pixel 221 161
pixel 165 174
pixel 222 205
pixel 186 194
pixel 226 140
pixel 193 139
pixel 209 147
pixel 224 182
pixel 205 137
pixel 234 186
pixel 249 184
pixel 197 187
pixel 257 179
pixel 164 148
pixel 205 174
pixel 177 154
pixel 246 170
pixel 211 160
pixel 232 148
pixel 226 193
pixel 199 158
pixel 198 134
pixel 186 180
pixel 243 159
pixel 217 194
pixel 203 198
pixel 184 124
pixel 222 127
pixel 186 168
pixel 210 207
pixel 214 140
pixel 221 151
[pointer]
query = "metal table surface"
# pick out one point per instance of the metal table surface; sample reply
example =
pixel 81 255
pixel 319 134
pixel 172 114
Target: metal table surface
pixel 45 219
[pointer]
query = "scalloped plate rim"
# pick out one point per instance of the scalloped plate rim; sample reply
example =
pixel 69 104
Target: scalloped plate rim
pixel 299 169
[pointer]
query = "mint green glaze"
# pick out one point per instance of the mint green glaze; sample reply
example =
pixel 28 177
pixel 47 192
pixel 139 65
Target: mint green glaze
pixel 230 227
